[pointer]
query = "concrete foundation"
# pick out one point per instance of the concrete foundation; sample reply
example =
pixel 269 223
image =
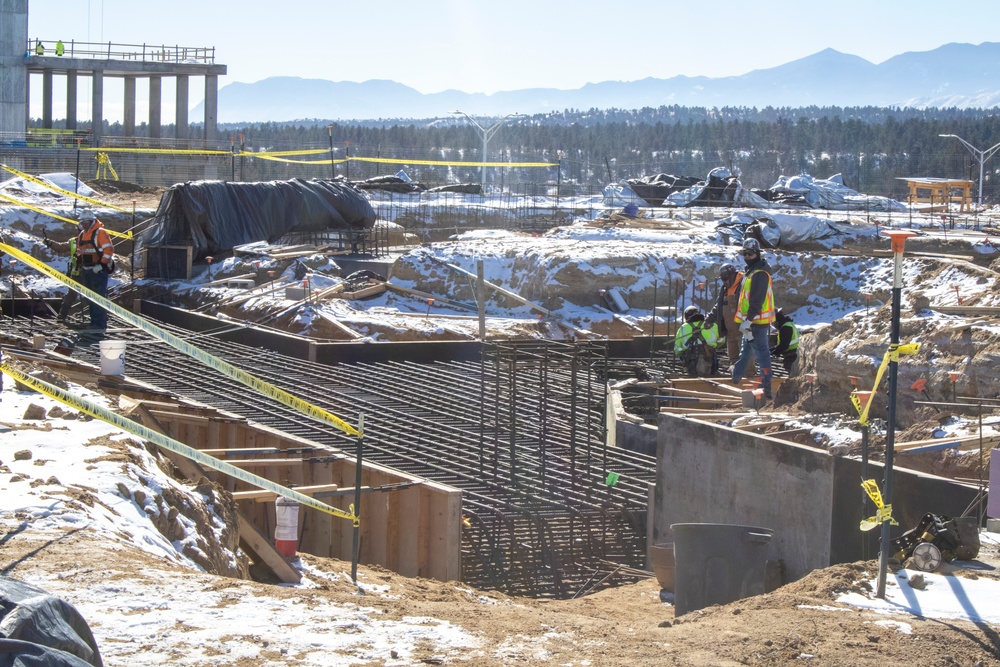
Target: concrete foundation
pixel 712 474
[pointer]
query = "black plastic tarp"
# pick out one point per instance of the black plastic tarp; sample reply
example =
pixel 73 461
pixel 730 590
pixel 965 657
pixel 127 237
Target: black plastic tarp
pixel 215 216
pixel 655 189
pixel 40 630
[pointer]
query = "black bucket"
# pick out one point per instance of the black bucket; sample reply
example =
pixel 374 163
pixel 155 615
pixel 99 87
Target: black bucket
pixel 717 564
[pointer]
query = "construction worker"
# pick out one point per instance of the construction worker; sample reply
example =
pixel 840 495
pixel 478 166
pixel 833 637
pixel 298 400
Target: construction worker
pixel 60 48
pixel 754 315
pixel 96 258
pixel 787 346
pixel 723 313
pixel 39 49
pixel 694 344
pixel 72 270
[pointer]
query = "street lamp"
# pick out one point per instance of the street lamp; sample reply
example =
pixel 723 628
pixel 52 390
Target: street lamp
pixel 487 135
pixel 982 156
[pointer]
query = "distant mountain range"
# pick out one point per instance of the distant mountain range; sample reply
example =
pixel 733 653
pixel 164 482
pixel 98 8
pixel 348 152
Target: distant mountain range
pixel 953 75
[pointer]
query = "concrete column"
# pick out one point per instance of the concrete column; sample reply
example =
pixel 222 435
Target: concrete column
pixel 182 107
pixel 155 86
pixel 97 106
pixel 128 120
pixel 71 99
pixel 47 99
pixel 211 107
pixel 13 70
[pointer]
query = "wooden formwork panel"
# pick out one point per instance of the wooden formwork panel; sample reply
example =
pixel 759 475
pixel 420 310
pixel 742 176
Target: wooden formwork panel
pixel 414 530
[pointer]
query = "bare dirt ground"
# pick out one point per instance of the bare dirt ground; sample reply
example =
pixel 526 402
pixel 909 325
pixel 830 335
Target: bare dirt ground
pixel 624 626
pixel 621 627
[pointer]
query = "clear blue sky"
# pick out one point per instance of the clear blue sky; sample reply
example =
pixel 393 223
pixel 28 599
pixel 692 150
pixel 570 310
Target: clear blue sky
pixel 485 47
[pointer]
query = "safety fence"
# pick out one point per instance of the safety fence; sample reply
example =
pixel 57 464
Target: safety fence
pixel 529 196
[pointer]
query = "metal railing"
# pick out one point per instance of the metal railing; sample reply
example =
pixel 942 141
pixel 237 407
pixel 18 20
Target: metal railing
pixel 157 53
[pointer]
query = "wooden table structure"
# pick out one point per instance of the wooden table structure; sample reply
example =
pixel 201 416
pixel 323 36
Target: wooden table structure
pixel 939 191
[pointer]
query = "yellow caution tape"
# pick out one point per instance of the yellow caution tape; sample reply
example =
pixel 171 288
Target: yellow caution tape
pixel 18 202
pixel 168 443
pixel 883 512
pixel 74 195
pixel 261 386
pixel 892 354
pixel 157 151
pixel 453 163
pixel 265 156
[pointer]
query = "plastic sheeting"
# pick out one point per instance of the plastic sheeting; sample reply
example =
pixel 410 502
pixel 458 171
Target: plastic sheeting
pixel 831 193
pixel 40 630
pixel 721 188
pixel 216 216
pixel 774 229
pixel 620 194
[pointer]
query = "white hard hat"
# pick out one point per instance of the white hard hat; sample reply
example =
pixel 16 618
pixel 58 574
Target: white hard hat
pixel 86 215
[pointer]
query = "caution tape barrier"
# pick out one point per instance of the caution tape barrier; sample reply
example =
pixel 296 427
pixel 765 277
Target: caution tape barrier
pixel 118 421
pixel 257 384
pixel 883 512
pixel 74 195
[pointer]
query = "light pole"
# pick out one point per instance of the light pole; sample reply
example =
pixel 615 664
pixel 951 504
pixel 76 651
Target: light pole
pixel 487 135
pixel 982 156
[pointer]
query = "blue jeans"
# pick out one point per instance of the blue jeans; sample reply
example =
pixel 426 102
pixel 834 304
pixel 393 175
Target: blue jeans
pixel 97 282
pixel 756 347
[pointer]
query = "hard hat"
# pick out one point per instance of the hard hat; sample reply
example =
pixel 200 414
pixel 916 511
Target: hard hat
pixel 751 245
pixel 727 271
pixel 86 215
pixel 690 313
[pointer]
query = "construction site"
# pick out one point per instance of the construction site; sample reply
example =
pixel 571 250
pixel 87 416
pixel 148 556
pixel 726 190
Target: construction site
pixel 544 447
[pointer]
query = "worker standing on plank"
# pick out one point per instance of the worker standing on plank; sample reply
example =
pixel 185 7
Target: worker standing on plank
pixel 96 255
pixel 755 313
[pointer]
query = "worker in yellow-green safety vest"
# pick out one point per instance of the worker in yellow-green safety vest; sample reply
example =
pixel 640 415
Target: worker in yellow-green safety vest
pixel 72 270
pixel 694 344
pixel 754 315
pixel 787 346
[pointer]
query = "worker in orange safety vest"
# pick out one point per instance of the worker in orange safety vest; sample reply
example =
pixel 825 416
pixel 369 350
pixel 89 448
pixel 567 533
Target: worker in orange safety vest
pixel 96 256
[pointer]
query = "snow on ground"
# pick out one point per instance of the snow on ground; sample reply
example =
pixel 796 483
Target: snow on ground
pixel 36 493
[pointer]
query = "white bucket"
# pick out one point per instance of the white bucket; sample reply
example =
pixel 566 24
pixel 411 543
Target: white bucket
pixel 112 357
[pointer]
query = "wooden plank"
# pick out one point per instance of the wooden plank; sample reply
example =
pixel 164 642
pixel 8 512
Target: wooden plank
pixel 262 495
pixel 762 425
pixel 260 549
pixel 252 542
pixel 408 523
pixel 343 327
pixel 445 536
pixel 698 411
pixel 988 441
pixel 968 310
pixel 399 289
pixel 376 516
pixel 262 463
pixel 365 292
pixel 715 415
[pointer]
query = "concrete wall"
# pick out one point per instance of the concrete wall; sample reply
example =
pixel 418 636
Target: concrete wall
pixel 707 473
pixel 13 72
pixel 711 474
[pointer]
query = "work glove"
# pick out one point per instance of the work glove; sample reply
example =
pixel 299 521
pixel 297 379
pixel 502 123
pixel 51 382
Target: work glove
pixel 97 268
pixel 745 329
pixel 106 268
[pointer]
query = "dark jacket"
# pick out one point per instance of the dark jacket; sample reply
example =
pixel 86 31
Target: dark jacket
pixel 787 332
pixel 758 285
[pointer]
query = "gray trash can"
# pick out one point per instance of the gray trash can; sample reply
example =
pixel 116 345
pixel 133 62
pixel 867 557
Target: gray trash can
pixel 717 563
